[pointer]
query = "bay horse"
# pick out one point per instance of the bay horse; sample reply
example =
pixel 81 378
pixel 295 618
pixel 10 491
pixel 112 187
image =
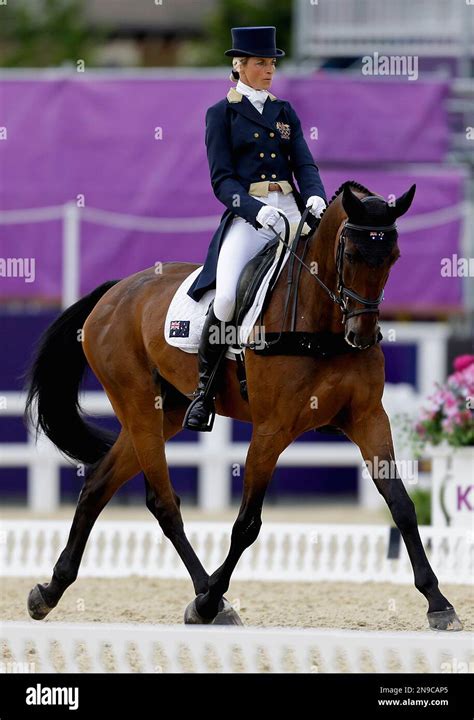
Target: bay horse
pixel 118 329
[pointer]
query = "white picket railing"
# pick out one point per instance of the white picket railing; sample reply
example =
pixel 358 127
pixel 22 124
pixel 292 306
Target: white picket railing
pixel 284 552
pixel 102 648
pixel 427 28
pixel 214 453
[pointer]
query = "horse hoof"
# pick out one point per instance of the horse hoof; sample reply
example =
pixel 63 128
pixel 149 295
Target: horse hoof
pixel 445 620
pixel 226 616
pixel 192 617
pixel 37 607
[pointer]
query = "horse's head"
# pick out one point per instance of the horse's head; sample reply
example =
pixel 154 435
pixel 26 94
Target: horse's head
pixel 365 253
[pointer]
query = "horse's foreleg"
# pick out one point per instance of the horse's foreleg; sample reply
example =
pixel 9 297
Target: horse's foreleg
pixel 262 457
pixel 373 436
pixel 119 465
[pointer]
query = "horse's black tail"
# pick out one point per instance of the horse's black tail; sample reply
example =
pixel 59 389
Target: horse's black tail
pixel 53 381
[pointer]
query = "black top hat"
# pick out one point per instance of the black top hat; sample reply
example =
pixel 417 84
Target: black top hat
pixel 255 42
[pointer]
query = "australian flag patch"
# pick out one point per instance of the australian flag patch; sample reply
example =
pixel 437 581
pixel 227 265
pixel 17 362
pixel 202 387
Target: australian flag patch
pixel 179 328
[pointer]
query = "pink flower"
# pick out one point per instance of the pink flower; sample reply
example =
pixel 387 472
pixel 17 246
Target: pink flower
pixel 459 418
pixel 462 382
pixel 436 401
pixel 448 425
pixel 449 400
pixel 451 411
pixel 448 415
pixel 462 362
pixel 464 416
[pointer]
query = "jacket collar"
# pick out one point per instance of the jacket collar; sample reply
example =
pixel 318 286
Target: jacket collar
pixel 242 104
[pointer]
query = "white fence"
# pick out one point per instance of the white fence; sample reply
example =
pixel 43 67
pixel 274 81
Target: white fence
pixel 103 648
pixel 214 453
pixel 283 552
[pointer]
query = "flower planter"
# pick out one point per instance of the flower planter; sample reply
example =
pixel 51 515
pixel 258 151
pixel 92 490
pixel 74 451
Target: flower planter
pixel 452 498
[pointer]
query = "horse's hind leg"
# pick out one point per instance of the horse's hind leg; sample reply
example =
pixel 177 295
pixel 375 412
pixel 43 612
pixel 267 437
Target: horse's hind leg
pixel 373 436
pixel 172 424
pixel 104 479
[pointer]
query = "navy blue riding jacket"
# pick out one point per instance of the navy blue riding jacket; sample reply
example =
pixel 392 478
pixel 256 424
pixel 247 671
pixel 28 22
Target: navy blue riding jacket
pixel 246 150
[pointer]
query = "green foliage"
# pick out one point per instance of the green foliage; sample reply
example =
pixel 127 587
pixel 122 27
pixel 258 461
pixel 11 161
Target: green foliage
pixel 47 34
pixel 422 501
pixel 52 33
pixel 242 13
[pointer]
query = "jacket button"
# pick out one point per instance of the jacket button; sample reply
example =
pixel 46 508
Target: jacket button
pixel 273 175
pixel 273 155
pixel 262 154
pixel 272 134
pixel 256 134
pixel 264 176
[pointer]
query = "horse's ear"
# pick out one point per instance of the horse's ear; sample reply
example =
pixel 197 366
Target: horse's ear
pixel 402 204
pixel 355 209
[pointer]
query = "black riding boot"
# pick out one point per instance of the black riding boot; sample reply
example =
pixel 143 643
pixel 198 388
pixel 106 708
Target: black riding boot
pixel 211 348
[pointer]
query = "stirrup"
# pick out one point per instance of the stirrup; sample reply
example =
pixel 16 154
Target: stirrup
pixel 204 394
pixel 210 418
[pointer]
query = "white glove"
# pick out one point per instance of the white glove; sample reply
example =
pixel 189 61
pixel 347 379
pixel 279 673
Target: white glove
pixel 269 216
pixel 316 205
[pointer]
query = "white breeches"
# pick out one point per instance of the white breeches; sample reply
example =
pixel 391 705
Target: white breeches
pixel 241 243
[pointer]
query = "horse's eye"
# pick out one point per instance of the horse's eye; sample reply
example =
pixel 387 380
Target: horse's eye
pixel 350 257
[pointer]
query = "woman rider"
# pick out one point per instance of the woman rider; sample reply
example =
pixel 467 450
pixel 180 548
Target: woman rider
pixel 255 145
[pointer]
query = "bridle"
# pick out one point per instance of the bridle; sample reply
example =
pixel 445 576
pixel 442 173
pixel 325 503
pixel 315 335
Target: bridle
pixel 370 306
pixel 343 293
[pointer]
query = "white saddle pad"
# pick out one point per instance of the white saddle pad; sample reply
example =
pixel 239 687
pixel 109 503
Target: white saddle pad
pixel 185 317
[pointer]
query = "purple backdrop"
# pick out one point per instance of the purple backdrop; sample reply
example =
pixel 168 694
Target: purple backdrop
pixel 96 137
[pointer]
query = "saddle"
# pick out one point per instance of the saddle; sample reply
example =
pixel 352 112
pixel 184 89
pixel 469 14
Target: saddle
pixel 251 278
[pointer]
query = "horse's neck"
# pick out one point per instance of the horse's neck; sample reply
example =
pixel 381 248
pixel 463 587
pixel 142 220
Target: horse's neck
pixel 318 313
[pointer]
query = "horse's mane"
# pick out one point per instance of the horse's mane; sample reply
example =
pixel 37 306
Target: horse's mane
pixel 353 184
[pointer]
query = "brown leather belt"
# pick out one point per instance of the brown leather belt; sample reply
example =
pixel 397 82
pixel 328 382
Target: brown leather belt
pixel 272 187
